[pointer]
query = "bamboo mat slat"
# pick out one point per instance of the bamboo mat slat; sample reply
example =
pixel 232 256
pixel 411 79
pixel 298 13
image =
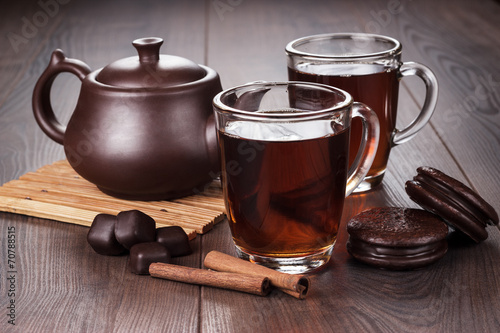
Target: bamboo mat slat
pixel 57 192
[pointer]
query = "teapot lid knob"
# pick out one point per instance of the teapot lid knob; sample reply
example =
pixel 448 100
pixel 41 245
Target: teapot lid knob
pixel 150 70
pixel 148 49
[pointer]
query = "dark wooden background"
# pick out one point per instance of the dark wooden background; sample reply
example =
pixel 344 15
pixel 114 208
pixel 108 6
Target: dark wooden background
pixel 63 286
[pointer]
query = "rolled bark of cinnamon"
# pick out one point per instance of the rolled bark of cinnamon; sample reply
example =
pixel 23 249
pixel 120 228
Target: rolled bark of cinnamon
pixel 294 285
pixel 246 283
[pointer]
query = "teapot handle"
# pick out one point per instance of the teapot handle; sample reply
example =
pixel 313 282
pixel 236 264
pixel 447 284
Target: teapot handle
pixel 42 108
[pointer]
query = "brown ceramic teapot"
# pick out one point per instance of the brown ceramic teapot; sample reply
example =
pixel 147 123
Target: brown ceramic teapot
pixel 142 127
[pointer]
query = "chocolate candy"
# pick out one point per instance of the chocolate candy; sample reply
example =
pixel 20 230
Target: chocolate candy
pixel 175 239
pixel 134 230
pixel 101 236
pixel 457 204
pixel 144 254
pixel 397 238
pixel 134 227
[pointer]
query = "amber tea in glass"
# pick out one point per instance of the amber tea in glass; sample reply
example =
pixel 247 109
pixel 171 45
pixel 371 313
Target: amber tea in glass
pixel 368 67
pixel 284 154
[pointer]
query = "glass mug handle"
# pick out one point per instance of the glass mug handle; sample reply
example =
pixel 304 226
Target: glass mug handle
pixel 431 94
pixel 367 149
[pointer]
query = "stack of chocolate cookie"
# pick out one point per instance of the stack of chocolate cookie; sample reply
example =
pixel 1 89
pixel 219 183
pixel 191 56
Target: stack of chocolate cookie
pixel 403 238
pixel 458 205
pixel 136 232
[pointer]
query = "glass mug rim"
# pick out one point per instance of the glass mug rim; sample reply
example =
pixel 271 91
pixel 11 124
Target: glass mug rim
pixel 395 50
pixel 295 116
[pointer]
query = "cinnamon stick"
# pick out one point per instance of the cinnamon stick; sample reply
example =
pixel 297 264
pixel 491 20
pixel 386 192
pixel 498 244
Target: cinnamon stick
pixel 294 285
pixel 246 283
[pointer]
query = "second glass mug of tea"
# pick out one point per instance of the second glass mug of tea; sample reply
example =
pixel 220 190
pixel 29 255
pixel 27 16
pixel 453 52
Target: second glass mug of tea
pixel 369 67
pixel 284 158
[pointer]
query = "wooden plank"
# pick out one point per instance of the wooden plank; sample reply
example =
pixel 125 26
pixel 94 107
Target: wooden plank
pixel 53 257
pixel 58 184
pixel 43 207
pixel 25 28
pixel 45 210
pixel 347 295
pixel 84 192
pixel 466 121
pixel 55 211
pixel 244 42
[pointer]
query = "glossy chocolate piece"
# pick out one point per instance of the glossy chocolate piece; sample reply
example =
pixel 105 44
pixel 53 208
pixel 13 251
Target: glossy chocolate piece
pixel 101 236
pixel 397 238
pixel 175 239
pixel 134 227
pixel 458 205
pixel 144 254
pixel 143 127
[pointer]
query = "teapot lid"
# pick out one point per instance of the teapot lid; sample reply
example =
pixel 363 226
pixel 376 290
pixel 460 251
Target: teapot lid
pixel 150 69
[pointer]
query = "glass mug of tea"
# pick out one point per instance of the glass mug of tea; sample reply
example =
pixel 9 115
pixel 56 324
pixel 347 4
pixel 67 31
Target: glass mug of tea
pixel 285 175
pixel 369 67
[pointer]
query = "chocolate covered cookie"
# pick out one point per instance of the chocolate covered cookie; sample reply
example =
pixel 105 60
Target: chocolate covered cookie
pixel 133 226
pixel 144 254
pixel 101 236
pixel 397 238
pixel 457 204
pixel 175 239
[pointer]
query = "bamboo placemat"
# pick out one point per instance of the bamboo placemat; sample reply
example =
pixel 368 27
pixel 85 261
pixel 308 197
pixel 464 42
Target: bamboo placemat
pixel 58 193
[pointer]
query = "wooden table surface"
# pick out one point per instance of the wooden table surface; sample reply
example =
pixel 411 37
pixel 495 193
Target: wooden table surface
pixel 62 285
